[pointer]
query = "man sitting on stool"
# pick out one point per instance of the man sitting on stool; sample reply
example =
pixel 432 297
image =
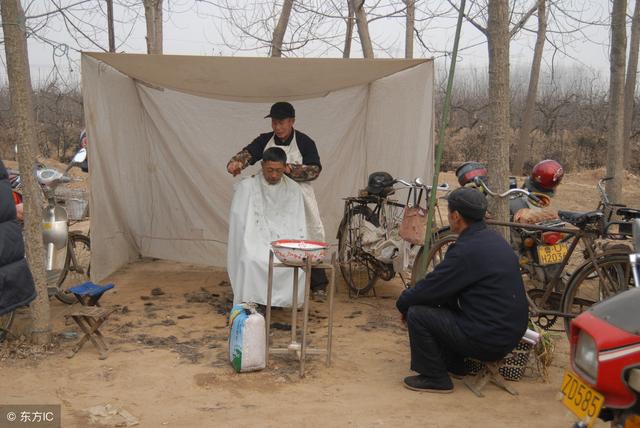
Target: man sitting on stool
pixel 472 304
pixel 266 207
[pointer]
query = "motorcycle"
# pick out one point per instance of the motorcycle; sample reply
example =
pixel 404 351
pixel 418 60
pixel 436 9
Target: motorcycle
pixel 76 246
pixel 540 266
pixel 604 379
pixel 55 227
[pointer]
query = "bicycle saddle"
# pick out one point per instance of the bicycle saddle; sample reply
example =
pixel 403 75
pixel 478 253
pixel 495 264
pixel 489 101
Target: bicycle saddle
pixel 628 212
pixel 580 219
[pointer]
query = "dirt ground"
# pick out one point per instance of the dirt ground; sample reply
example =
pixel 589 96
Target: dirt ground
pixel 168 363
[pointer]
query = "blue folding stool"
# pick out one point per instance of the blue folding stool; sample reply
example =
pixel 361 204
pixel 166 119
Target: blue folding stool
pixel 88 293
pixel 90 316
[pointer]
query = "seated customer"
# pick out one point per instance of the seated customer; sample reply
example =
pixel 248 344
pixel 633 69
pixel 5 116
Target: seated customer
pixel 471 305
pixel 265 208
pixel 16 283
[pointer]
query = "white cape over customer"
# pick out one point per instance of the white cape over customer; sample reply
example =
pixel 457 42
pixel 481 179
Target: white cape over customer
pixel 260 214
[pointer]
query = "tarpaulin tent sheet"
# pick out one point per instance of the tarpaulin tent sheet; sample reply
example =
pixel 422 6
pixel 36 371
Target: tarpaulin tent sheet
pixel 162 128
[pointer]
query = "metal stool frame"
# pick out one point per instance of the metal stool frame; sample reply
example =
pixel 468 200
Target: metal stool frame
pixel 301 349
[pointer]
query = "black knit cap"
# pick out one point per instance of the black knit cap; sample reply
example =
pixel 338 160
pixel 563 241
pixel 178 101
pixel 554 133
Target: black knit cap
pixel 470 203
pixel 281 110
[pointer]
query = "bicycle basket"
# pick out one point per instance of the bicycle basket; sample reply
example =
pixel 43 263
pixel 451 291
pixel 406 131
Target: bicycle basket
pixel 76 202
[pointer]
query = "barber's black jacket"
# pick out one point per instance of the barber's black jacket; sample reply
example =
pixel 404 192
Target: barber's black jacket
pixel 479 279
pixel 306 145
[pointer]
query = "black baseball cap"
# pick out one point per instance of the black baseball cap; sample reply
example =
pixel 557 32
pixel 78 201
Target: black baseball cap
pixel 281 110
pixel 470 203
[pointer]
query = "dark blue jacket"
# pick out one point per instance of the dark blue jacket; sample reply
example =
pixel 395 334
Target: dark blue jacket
pixel 16 283
pixel 479 279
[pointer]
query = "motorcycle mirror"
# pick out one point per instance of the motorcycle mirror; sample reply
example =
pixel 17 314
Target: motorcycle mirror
pixel 48 175
pixel 80 157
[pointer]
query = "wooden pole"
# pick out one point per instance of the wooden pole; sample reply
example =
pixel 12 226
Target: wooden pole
pixel 112 40
pixel 422 261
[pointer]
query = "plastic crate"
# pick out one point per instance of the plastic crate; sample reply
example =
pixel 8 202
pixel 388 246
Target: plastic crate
pixel 75 201
pixel 511 367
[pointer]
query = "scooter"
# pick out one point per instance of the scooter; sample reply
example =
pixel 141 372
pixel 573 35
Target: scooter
pixel 55 220
pixel 55 236
pixel 604 379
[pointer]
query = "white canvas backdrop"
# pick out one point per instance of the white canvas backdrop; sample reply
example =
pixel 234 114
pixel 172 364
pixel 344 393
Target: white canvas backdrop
pixel 159 186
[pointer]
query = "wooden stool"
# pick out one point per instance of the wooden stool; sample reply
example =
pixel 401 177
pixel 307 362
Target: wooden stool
pixel 488 373
pixel 301 349
pixel 89 319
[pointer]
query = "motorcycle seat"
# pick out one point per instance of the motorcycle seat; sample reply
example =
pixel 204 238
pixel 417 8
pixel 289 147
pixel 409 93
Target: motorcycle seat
pixel 580 219
pixel 628 212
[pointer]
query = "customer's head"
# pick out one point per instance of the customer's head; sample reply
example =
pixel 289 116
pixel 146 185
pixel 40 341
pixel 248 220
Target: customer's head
pixel 283 116
pixel 466 206
pixel 274 163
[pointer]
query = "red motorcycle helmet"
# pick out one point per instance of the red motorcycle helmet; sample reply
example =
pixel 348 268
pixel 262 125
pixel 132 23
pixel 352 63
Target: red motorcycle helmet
pixel 546 175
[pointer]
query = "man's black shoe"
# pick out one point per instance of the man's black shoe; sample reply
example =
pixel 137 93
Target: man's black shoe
pixel 425 384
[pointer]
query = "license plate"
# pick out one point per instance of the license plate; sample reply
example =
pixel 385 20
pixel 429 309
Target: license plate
pixel 552 254
pixel 584 401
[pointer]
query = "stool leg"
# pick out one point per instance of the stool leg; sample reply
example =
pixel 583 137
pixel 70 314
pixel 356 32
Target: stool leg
pixel 89 331
pixel 294 307
pixel 92 323
pixel 498 380
pixel 305 316
pixel 332 287
pixel 268 309
pixel 478 383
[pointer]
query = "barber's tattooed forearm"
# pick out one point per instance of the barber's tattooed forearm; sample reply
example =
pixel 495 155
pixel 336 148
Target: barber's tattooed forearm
pixel 244 157
pixel 304 172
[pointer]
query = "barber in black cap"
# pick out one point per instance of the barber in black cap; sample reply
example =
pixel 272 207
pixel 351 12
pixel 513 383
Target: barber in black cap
pixel 303 166
pixel 471 305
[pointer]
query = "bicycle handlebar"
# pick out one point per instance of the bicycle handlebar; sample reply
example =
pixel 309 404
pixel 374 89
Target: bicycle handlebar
pixel 417 184
pixel 478 182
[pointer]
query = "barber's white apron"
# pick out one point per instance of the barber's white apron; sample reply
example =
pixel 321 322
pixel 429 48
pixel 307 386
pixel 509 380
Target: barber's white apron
pixel 315 229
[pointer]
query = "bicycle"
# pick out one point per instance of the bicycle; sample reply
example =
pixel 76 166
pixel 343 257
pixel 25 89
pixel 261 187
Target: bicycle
pixel 601 275
pixel 369 243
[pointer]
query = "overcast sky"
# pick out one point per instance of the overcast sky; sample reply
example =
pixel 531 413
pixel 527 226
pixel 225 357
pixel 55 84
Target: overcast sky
pixel 202 29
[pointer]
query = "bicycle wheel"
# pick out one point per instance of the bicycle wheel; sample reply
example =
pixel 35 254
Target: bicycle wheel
pixel 439 247
pixel 357 267
pixel 586 287
pixel 5 324
pixel 76 268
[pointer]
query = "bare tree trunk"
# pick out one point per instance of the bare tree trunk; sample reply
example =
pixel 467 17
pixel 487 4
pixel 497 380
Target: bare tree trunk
pixel 630 84
pixel 615 164
pixel 281 28
pixel 346 53
pixel 408 32
pixel 153 17
pixel 15 45
pixel 363 27
pixel 522 151
pixel 498 161
pixel 112 39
